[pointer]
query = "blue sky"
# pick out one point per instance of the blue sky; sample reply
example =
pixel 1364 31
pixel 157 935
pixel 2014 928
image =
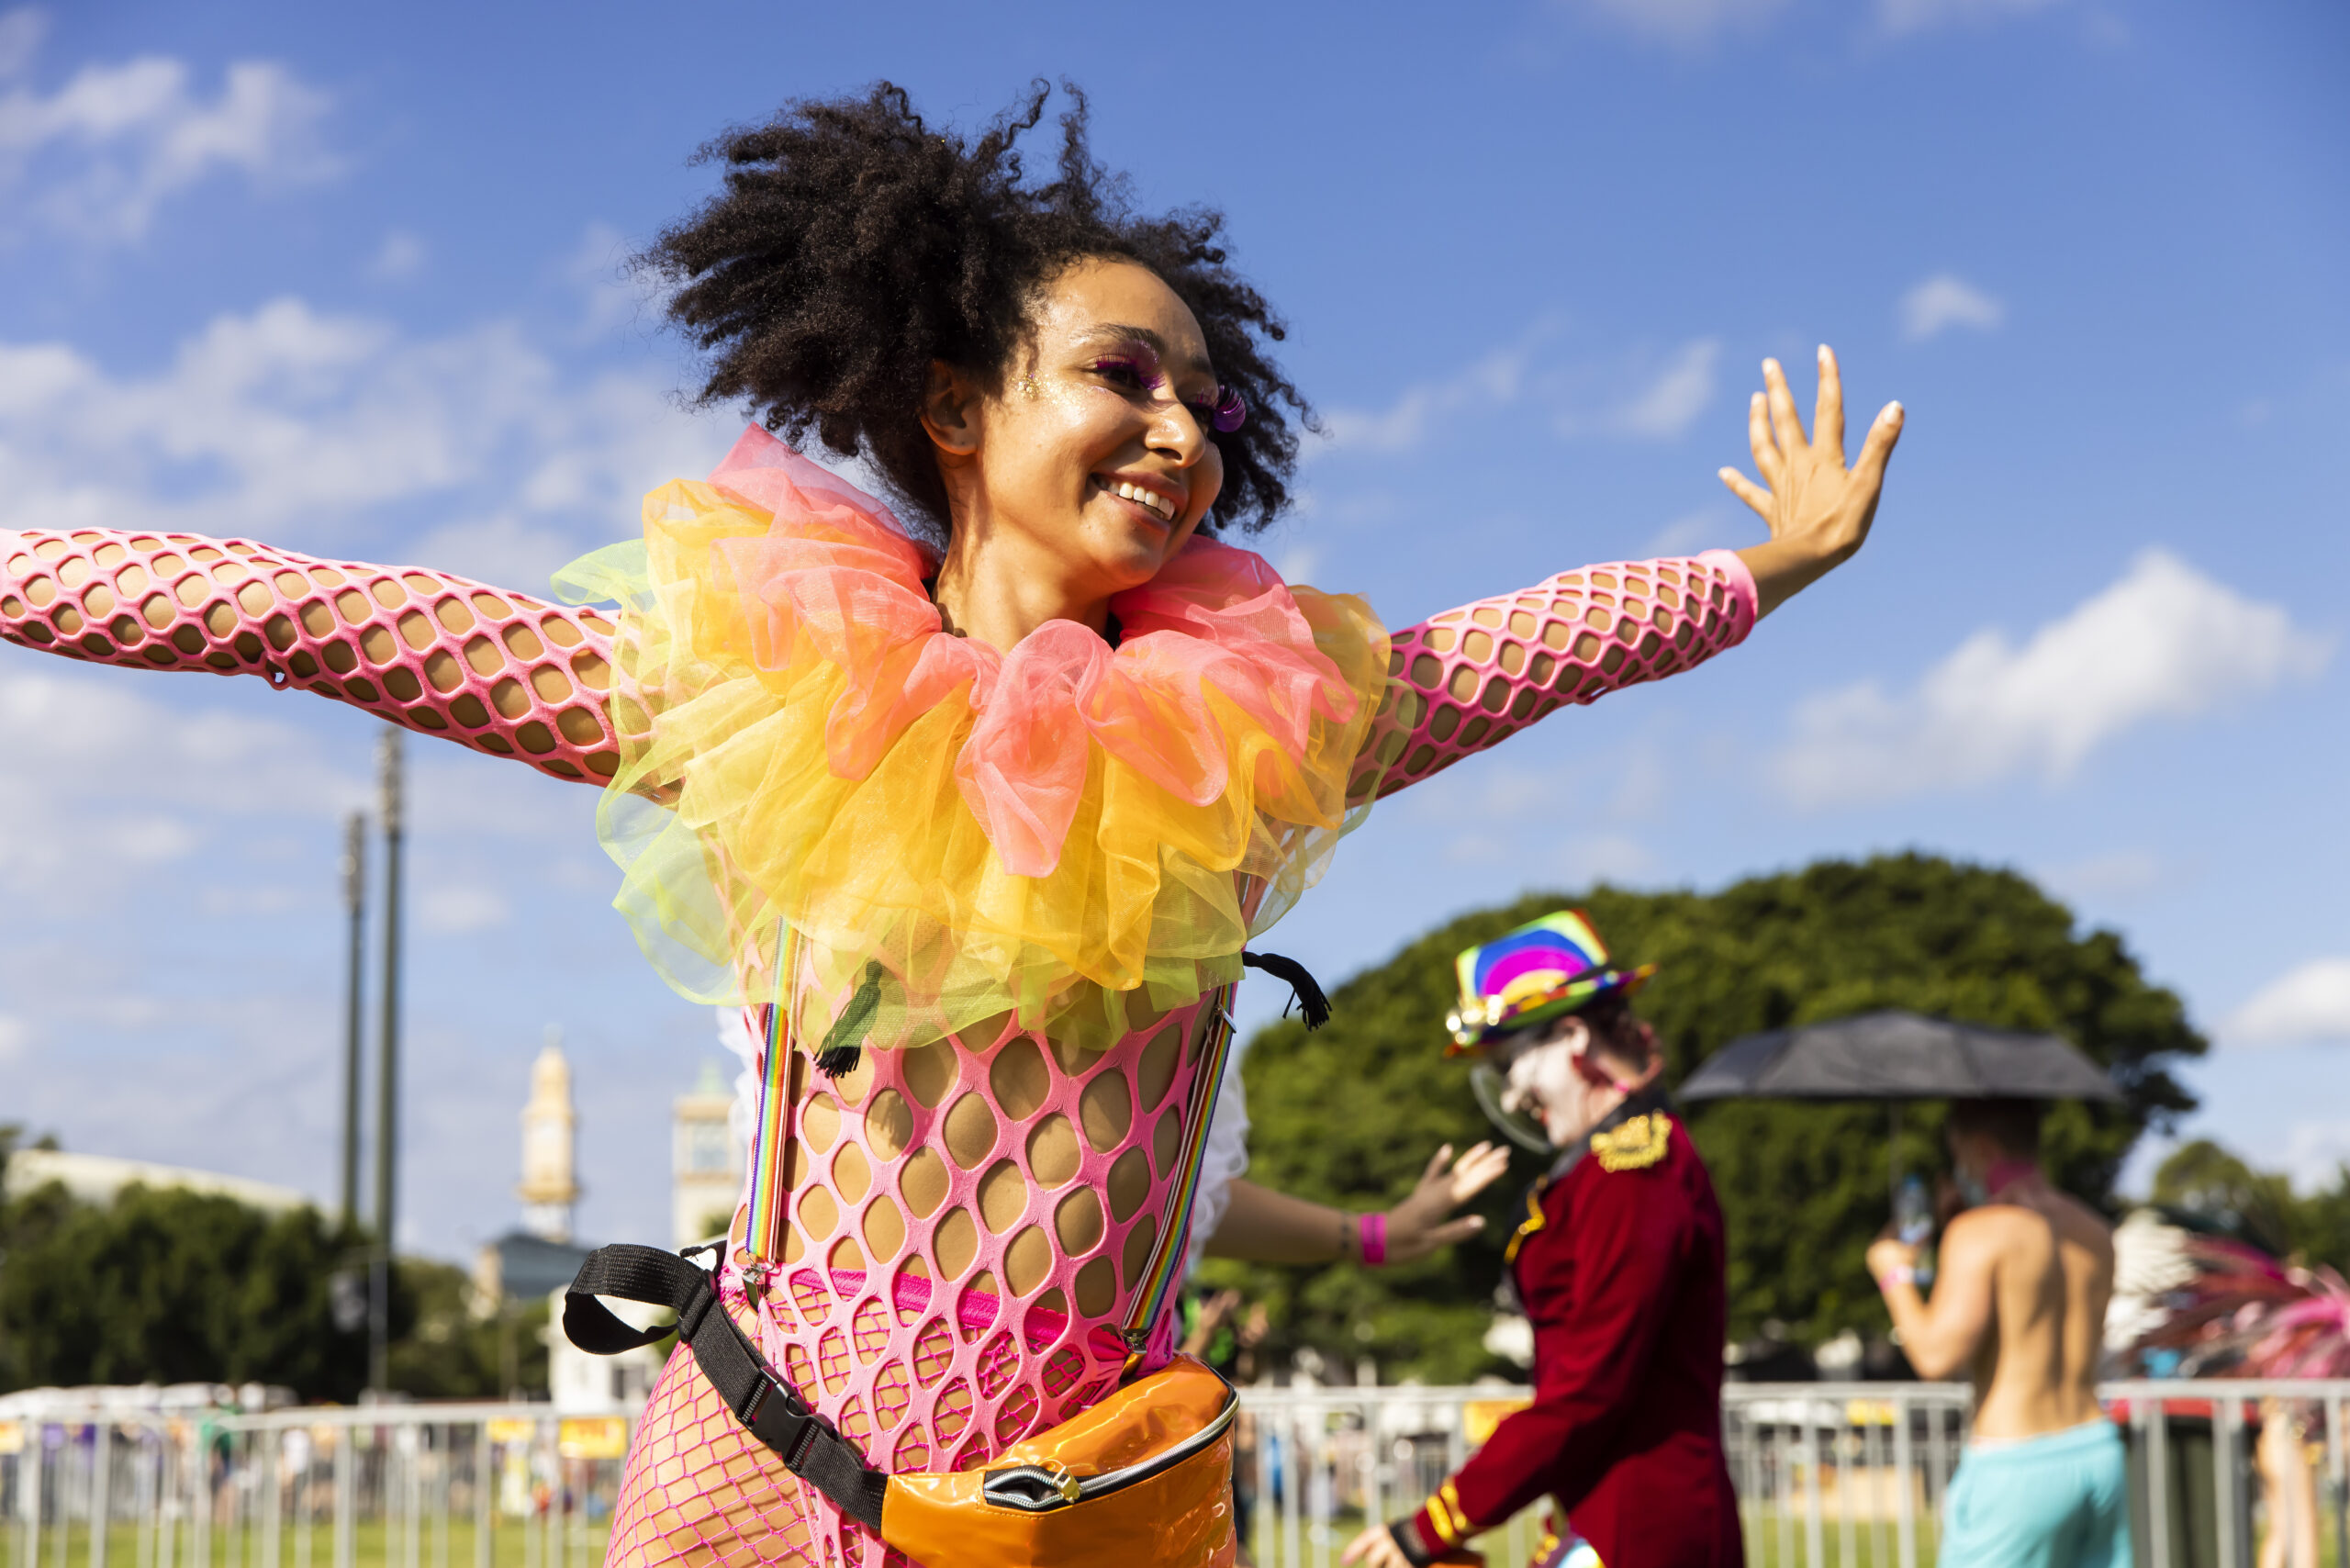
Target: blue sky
pixel 350 281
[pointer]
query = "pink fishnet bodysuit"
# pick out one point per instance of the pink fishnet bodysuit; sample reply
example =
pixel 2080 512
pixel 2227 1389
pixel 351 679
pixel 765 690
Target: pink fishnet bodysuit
pixel 967 1221
pixel 500 672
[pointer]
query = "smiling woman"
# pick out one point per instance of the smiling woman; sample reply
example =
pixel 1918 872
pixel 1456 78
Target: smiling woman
pixel 970 805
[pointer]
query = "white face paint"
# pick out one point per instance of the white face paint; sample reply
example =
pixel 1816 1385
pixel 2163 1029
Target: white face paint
pixel 1543 1083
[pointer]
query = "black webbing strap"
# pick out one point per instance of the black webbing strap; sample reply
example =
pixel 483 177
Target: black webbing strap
pixel 760 1400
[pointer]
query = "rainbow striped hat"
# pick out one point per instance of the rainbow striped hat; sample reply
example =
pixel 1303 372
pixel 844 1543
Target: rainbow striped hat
pixel 1544 968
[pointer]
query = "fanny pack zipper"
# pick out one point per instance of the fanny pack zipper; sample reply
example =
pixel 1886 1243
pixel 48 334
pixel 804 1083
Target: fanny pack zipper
pixel 1043 1489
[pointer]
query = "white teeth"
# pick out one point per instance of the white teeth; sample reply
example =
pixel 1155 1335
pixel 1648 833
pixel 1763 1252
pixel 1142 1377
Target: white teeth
pixel 1150 498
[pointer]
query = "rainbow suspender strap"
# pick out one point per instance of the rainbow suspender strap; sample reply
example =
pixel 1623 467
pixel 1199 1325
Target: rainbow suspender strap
pixel 769 1136
pixel 1166 1268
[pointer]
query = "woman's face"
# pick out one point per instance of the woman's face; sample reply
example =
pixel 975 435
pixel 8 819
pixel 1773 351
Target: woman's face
pixel 1095 452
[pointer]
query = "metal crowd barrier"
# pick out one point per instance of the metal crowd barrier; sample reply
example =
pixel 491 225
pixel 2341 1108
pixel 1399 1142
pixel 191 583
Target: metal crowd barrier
pixel 1828 1475
pixel 375 1486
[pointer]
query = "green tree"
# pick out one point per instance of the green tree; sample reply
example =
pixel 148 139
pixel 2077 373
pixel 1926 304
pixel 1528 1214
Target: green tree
pixel 1347 1114
pixel 2261 1206
pixel 450 1353
pixel 166 1285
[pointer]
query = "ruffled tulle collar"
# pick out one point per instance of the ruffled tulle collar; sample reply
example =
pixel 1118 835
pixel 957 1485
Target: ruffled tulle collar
pixel 1077 834
pixel 837 570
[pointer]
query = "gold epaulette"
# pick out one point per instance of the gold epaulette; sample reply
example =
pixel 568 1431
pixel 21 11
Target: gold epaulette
pixel 1634 1143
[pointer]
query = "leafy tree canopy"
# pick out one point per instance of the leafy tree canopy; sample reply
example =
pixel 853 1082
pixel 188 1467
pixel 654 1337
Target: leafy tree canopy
pixel 163 1285
pixel 1347 1115
pixel 2261 1206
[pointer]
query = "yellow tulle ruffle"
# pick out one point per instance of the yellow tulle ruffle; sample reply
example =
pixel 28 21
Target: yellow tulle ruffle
pixel 1066 833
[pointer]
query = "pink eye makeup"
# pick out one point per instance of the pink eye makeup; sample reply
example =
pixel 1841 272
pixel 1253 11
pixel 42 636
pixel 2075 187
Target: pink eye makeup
pixel 1140 370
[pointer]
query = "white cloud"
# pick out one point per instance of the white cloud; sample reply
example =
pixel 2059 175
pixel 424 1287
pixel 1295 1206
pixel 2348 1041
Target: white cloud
pixel 1944 301
pixel 15 1038
pixel 1919 15
pixel 1683 23
pixel 2119 876
pixel 2301 1006
pixel 1494 381
pixel 20 36
pixel 102 152
pixel 2165 640
pixel 1605 858
pixel 1299 563
pixel 101 780
pixel 1640 395
pixel 1697 530
pixel 291 423
pixel 401 255
pixel 1670 403
pixel 455 910
pixel 611 295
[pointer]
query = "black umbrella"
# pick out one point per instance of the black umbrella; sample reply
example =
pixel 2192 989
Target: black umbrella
pixel 1899 1056
pixel 1893 1056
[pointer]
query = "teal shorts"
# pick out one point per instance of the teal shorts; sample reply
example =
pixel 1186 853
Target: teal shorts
pixel 2060 1501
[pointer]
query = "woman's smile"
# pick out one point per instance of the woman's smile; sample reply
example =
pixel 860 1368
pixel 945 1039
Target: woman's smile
pixel 1153 497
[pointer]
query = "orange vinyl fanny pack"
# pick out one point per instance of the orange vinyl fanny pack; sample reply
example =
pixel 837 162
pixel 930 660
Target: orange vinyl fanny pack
pixel 1145 1476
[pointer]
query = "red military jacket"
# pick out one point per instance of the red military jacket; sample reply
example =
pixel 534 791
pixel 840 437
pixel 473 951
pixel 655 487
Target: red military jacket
pixel 1620 1265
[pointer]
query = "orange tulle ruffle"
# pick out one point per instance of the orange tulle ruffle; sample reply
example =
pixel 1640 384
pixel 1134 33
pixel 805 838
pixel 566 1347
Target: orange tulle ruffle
pixel 950 832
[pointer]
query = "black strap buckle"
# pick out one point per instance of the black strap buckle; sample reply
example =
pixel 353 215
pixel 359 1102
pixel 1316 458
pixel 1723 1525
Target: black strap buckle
pixel 776 1418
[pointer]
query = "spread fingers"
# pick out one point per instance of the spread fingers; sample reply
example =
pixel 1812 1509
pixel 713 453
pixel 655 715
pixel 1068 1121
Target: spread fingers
pixel 1827 414
pixel 1759 441
pixel 1747 490
pixel 1785 424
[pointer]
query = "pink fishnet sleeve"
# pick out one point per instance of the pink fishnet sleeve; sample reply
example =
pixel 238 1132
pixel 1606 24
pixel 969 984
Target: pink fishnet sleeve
pixel 499 672
pixel 1460 681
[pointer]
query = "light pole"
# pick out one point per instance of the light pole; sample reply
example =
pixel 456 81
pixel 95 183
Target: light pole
pixel 354 898
pixel 387 1090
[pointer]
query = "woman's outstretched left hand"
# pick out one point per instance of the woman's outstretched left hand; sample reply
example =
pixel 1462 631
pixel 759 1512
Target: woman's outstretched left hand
pixel 1819 510
pixel 1418 1226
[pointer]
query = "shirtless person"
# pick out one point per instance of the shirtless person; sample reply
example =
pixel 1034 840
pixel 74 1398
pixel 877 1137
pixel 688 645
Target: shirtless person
pixel 2024 1277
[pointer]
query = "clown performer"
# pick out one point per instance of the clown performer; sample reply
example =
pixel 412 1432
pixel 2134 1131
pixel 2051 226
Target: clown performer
pixel 1619 1264
pixel 972 801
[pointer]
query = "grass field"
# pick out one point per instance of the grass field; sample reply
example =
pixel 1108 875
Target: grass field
pixel 513 1544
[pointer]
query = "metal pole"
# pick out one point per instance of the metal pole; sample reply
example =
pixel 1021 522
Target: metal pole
pixel 2333 1479
pixel 484 1479
pixel 354 899
pixel 387 1091
pixel 2226 1421
pixel 28 1478
pixel 101 1483
pixel 346 1499
pixel 1905 1480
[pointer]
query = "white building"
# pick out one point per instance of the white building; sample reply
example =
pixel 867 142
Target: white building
pixel 705 1160
pixel 582 1384
pixel 550 1145
pixel 96 1178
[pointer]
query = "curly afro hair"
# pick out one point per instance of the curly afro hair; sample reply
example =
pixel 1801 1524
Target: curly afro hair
pixel 854 245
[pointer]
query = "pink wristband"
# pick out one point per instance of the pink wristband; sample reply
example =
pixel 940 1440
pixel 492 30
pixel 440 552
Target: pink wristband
pixel 1903 1275
pixel 1371 1230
